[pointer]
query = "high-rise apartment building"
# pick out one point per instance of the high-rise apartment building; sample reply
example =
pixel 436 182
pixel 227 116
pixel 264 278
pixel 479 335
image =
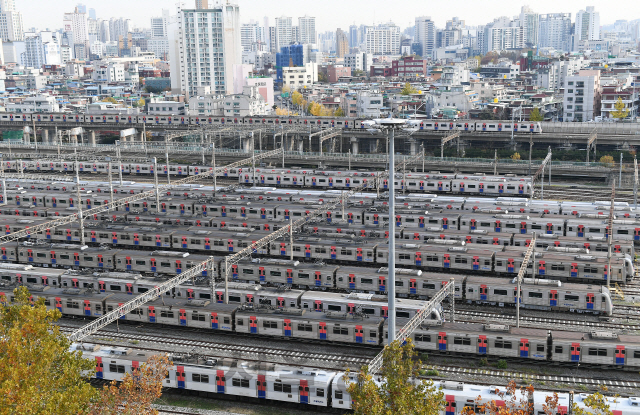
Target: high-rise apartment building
pixel 342 43
pixel 353 36
pixel 10 22
pixel 204 44
pixel 41 49
pixel 555 31
pixel 295 34
pixel 105 34
pixel 529 20
pixel 451 35
pixel 159 24
pixel 307 29
pixel 383 39
pixel 118 27
pixel 425 34
pixel 503 34
pixel 202 4
pixel 587 26
pixel 252 36
pixel 283 32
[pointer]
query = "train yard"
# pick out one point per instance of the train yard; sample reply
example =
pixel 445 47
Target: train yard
pixel 281 268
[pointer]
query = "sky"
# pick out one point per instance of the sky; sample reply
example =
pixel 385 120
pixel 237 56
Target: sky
pixel 330 14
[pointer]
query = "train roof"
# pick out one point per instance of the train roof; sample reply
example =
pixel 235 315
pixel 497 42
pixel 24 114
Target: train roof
pixel 536 282
pixel 76 293
pixel 361 299
pixel 303 314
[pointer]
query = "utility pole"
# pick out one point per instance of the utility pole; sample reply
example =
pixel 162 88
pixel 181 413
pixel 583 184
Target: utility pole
pixel 495 163
pixel 391 284
pixel 422 158
pixel 635 182
pixel 550 161
pixel 620 177
pixel 166 155
pixel 349 159
pixel 80 207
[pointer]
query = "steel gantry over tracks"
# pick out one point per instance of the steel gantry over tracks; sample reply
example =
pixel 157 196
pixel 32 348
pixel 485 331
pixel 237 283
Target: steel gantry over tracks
pixel 153 293
pixel 123 201
pixel 523 269
pixel 448 289
pixel 446 139
pixel 540 174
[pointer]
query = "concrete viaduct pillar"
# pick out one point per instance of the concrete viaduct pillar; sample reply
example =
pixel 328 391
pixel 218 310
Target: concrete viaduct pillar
pixel 354 145
pixel 45 136
pixel 92 138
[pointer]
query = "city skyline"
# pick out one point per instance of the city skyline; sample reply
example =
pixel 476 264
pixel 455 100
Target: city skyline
pixel 43 13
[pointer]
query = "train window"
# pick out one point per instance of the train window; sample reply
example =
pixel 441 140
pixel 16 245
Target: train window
pixel 165 264
pixel 240 383
pixel 373 334
pixel 434 221
pixel 200 378
pixel 320 250
pixel 511 187
pixel 116 368
pixel 459 260
pixel 320 392
pixel 240 322
pixel 471 186
pixel 305 327
pixel 197 316
pixel 334 308
pixel 622 232
pixel 594 230
pixel 432 286
pixel 431 185
pixel 344 331
pixel 138 311
pixel 270 324
pixel 465 341
pixel 234 299
pixel 540 348
pixel 41 255
pixel 490 186
pixel 47 302
pixel 402 314
pixel 510 225
pixel 72 304
pixel 399 283
pixel 64 256
pixel 166 314
pixel 636 354
pixel 500 292
pixel 345 252
pixel 423 338
pixel 535 295
pixel 591 269
pixel 226 320
pixel 597 352
pixel 558 349
pixel 369 311
pixel 366 281
pixel 433 258
pixel 571 297
pixel 501 344
pixel 142 290
pixel 141 262
pixel 404 256
pixel 485 224
pixel 278 386
pixel 115 288
pixel 32 280
pixel 555 267
pixel 410 220
pixel 301 275
pixel 275 273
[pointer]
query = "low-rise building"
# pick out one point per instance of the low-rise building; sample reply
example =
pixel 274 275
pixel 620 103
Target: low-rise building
pixel 156 106
pixel 38 103
pixel 369 104
pixel 300 76
pixel 582 96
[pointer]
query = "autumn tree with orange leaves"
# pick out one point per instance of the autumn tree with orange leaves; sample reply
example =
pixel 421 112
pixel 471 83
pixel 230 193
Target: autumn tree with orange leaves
pixel 137 391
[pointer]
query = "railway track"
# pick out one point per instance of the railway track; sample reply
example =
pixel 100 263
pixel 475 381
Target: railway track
pixel 217 347
pixel 542 322
pixel 583 193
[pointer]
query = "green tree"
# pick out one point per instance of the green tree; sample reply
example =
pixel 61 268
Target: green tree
pixel 339 112
pixel 110 99
pixel 38 373
pixel 621 110
pixel 515 156
pixel 535 115
pixel 408 89
pixel 322 77
pixel 296 98
pixel 400 391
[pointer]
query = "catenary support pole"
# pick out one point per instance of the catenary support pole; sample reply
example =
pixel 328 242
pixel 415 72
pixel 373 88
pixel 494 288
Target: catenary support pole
pixel 213 161
pixel 620 177
pixel 110 185
pixel 291 235
pixel 155 181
